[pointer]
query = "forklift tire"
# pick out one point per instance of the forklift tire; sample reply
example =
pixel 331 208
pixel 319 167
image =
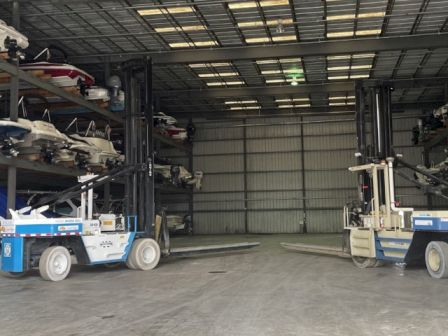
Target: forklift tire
pixel 55 263
pixel 145 254
pixel 363 262
pixel 129 263
pixel 436 259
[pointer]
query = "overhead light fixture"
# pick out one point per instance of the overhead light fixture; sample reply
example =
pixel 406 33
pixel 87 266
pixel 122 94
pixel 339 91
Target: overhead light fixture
pixel 341 97
pixel 223 83
pixel 219 74
pixel 364 32
pixel 343 57
pixel 180 29
pixel 359 76
pixel 339 34
pixel 192 44
pixel 278 72
pixel 169 10
pixel 341 104
pixel 337 77
pixel 348 67
pixel 281 80
pixel 207 65
pixel 245 107
pixel 254 4
pixel 251 24
pixel 337 97
pixel 282 60
pixel 282 106
pixel 271 72
pixel 252 40
pixel 341 17
pixel 368 32
pixel 371 15
pixel 233 102
pixel 284 38
pixel 294 81
pixel 274 81
pixel 287 100
pixel 353 16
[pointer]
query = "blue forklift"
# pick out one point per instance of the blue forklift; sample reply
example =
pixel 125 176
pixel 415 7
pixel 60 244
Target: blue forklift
pixel 32 240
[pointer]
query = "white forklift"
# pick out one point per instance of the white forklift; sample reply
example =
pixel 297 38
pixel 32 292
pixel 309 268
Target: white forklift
pixel 376 229
pixel 32 240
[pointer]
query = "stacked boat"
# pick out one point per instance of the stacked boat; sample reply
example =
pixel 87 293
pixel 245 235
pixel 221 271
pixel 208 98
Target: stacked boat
pixel 169 173
pixel 167 126
pixel 39 140
pixel 9 36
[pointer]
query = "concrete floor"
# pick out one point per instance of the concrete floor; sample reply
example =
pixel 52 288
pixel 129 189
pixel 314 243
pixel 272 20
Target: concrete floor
pixel 264 291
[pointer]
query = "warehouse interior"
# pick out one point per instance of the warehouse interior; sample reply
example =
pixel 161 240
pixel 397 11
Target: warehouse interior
pixel 199 167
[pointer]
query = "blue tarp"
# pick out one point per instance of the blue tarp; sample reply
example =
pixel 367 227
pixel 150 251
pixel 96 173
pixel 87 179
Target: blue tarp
pixel 20 202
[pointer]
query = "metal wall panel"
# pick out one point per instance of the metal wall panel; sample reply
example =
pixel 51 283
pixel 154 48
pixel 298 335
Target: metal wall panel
pixel 272 221
pixel 218 222
pixel 219 164
pixel 274 181
pixel 323 221
pixel 274 192
pixel 273 162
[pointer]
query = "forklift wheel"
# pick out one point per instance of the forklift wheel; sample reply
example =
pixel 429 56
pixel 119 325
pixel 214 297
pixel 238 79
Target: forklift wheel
pixel 55 263
pixel 363 262
pixel 145 254
pixel 436 258
pixel 129 263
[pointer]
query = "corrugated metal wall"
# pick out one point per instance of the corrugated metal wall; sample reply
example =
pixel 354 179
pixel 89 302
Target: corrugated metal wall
pixel 261 178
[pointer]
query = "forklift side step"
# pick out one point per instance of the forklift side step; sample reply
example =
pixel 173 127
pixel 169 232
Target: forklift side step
pixel 316 249
pixel 185 251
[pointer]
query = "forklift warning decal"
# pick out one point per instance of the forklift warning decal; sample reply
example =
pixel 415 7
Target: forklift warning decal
pixel 7 250
pixel 68 228
pixel 423 222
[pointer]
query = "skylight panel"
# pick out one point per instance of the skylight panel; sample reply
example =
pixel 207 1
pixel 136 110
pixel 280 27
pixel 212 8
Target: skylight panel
pixel 280 38
pixel 253 4
pixel 364 32
pixel 169 10
pixel 180 28
pixel 353 16
pixel 192 44
pixel 251 24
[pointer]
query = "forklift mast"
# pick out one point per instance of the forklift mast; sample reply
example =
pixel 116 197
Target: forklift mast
pixel 139 187
pixel 373 104
pixel 138 170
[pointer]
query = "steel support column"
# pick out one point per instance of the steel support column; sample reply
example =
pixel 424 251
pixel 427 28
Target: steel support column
pixel 13 115
pixel 245 194
pixel 302 159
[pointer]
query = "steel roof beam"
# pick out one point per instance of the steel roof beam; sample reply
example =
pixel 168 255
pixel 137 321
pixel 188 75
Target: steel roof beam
pixel 300 89
pixel 302 49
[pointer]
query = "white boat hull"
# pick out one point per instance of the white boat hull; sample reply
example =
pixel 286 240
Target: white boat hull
pixel 8 31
